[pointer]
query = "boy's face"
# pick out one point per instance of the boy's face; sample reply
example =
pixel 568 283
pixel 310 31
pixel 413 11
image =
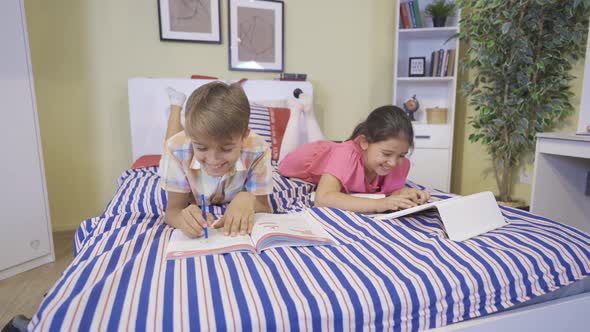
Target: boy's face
pixel 218 157
pixel 382 157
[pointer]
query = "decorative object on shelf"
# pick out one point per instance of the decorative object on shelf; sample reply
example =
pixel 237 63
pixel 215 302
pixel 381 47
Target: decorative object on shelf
pixel 256 35
pixel 417 66
pixel 192 21
pixel 292 77
pixel 411 106
pixel 524 76
pixel 436 115
pixel 439 10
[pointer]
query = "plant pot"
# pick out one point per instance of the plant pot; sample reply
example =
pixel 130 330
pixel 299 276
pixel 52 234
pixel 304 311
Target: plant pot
pixel 513 204
pixel 439 21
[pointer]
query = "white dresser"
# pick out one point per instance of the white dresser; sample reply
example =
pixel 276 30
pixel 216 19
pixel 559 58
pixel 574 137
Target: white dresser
pixel 25 235
pixel 561 177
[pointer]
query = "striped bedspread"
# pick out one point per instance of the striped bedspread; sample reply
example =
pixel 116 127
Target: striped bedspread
pixel 384 275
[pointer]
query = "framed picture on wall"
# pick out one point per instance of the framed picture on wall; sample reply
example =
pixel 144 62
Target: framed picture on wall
pixel 190 20
pixel 256 35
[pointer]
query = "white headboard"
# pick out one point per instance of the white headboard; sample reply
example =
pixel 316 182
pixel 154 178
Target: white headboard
pixel 148 101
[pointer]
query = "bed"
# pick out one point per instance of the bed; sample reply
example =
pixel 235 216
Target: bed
pixel 401 274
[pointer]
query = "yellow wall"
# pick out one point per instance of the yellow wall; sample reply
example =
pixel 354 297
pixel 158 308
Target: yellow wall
pixel 83 52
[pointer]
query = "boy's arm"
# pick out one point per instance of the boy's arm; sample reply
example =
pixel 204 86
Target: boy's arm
pixel 179 214
pixel 328 194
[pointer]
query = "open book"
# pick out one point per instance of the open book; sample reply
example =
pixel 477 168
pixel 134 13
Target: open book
pixel 463 217
pixel 269 231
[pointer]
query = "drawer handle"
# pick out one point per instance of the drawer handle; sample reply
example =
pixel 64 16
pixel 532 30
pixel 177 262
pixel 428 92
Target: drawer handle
pixel 423 136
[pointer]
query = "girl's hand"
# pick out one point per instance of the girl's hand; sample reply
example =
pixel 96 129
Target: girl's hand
pixel 239 215
pixel 416 195
pixel 395 202
pixel 191 222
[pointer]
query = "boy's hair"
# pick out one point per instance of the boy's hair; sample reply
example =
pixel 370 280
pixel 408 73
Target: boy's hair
pixel 384 123
pixel 217 110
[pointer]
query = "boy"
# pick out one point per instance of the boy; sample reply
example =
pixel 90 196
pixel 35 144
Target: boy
pixel 216 155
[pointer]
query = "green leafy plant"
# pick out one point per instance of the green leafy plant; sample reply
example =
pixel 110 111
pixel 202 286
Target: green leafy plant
pixel 440 8
pixel 521 53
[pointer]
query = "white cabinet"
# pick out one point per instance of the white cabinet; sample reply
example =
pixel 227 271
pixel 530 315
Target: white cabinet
pixel 561 180
pixel 432 156
pixel 25 236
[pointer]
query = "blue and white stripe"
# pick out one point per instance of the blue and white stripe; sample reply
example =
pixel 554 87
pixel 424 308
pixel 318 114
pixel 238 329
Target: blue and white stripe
pixel 398 275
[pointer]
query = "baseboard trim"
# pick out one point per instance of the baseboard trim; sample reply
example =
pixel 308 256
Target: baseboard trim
pixel 48 258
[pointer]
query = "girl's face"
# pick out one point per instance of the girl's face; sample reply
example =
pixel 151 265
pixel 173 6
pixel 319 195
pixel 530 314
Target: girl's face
pixel 382 157
pixel 218 157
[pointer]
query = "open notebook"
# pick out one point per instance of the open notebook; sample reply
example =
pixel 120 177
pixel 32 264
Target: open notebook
pixel 463 217
pixel 269 231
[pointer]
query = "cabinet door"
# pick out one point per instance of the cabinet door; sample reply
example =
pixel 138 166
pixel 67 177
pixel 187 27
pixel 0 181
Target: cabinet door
pixel 24 225
pixel 430 167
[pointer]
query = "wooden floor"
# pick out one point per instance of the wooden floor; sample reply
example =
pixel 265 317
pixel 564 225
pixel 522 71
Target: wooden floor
pixel 22 294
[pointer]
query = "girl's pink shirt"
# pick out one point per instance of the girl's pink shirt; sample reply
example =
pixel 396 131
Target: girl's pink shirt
pixel 344 161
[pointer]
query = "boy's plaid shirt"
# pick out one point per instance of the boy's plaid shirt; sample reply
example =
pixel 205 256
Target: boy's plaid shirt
pixel 182 173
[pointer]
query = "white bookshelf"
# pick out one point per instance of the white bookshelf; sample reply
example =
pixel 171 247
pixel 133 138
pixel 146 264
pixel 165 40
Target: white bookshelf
pixel 433 143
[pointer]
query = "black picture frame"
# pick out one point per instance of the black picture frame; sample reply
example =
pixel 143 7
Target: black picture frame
pixel 254 46
pixel 203 17
pixel 417 66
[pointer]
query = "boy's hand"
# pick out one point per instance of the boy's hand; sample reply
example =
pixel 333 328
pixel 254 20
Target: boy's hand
pixel 239 215
pixel 191 221
pixel 416 195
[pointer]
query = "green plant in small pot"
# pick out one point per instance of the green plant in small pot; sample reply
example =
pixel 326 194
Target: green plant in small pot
pixel 439 10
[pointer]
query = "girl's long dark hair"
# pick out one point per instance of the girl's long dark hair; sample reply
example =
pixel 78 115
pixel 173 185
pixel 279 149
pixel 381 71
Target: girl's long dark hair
pixel 384 123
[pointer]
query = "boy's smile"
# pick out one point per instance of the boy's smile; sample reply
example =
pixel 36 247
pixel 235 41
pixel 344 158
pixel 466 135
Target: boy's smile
pixel 218 157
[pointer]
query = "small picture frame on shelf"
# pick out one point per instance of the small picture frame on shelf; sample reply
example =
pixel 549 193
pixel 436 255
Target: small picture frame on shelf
pixel 417 66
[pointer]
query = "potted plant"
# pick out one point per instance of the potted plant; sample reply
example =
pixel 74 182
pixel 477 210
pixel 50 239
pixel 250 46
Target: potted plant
pixel 520 57
pixel 439 10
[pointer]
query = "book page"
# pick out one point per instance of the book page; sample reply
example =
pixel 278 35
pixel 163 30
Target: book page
pixel 401 213
pixel 181 246
pixel 288 230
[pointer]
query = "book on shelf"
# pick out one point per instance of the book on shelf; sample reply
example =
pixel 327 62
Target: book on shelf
pixel 410 8
pixel 445 62
pixel 269 231
pixel 452 55
pixel 434 68
pixel 404 15
pixel 417 15
pixel 431 64
pixel 440 54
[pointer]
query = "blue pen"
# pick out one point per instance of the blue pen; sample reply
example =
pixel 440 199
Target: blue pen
pixel 204 209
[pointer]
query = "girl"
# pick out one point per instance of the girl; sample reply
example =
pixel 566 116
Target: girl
pixel 372 160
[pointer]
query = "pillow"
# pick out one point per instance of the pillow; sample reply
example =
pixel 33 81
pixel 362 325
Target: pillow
pixel 147 161
pixel 270 123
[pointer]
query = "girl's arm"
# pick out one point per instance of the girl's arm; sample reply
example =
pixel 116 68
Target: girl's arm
pixel 328 195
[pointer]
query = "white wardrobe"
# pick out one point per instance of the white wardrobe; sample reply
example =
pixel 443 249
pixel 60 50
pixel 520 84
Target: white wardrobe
pixel 25 228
